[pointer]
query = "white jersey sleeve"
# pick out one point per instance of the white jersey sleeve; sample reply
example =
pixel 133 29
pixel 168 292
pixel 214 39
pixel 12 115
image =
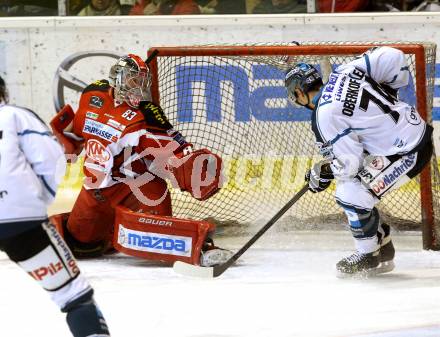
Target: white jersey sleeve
pixel 42 151
pixel 29 156
pixel 385 65
pixel 339 143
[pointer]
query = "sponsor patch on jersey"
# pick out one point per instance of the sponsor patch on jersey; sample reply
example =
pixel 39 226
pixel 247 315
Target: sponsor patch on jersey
pixel 157 113
pixel 97 151
pixel 330 86
pixel 413 117
pixel 372 167
pixel 116 124
pixel 177 136
pixel 338 93
pixel 154 242
pixel 96 102
pixel 326 150
pixel 101 130
pixel 100 83
pixel 377 163
pixel 399 143
pixel 92 115
pixel 390 176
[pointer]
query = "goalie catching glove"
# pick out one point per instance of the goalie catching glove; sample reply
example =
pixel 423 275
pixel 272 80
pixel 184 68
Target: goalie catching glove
pixel 198 172
pixel 319 177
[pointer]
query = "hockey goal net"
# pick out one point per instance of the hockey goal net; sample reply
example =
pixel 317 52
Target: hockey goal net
pixel 231 99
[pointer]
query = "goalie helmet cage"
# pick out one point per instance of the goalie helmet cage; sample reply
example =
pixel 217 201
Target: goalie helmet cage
pixel 231 99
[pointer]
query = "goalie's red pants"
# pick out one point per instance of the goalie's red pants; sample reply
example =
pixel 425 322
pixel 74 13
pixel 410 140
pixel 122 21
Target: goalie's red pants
pixel 93 214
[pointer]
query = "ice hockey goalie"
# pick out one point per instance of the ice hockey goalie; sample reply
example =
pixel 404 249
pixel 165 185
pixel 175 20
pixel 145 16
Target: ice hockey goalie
pixel 131 150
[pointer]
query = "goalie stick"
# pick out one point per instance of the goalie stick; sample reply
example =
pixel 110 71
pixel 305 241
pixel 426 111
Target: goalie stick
pixel 211 272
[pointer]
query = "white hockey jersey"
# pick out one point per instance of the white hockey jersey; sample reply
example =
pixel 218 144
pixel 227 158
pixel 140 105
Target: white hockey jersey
pixel 29 155
pixel 358 112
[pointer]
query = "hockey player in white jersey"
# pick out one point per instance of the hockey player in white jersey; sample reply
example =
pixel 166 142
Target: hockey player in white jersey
pixel 28 159
pixel 371 143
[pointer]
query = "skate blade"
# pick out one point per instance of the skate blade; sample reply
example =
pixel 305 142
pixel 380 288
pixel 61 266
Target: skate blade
pixel 364 274
pixel 385 267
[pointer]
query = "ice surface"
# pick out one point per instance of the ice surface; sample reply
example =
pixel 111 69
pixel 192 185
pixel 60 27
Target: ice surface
pixel 284 287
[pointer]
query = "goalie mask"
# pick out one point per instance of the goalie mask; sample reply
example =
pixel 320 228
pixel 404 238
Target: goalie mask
pixel 131 80
pixel 302 76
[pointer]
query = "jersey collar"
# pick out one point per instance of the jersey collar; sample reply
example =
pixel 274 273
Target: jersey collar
pixel 317 97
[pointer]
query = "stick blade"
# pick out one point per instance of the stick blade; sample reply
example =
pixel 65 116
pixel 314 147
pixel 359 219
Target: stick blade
pixel 191 270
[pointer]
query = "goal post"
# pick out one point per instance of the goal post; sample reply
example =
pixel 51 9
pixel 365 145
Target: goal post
pixel 231 99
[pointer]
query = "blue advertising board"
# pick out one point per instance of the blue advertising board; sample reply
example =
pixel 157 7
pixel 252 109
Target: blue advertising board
pixel 250 100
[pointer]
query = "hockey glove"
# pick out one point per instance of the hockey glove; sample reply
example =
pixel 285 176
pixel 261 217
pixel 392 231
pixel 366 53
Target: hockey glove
pixel 319 177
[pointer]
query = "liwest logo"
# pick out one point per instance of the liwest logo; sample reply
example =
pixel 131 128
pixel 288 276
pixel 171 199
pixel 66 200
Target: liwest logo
pixel 390 176
pixel 101 130
pixel 330 86
pixel 154 242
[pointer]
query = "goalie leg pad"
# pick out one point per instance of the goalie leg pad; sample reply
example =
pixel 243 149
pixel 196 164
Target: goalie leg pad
pixel 163 238
pixel 81 250
pixel 155 198
pixel 89 230
pixel 44 255
pixel 92 216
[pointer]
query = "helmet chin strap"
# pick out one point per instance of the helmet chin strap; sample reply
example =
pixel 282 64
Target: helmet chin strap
pixel 306 105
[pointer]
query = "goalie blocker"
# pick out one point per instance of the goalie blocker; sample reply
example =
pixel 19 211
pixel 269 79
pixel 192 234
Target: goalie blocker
pixel 72 145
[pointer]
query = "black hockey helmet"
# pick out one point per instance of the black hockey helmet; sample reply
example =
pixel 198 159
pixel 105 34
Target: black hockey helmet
pixel 302 76
pixel 3 91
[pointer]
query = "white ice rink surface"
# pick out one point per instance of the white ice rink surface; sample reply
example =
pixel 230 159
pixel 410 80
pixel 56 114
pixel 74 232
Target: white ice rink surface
pixel 284 287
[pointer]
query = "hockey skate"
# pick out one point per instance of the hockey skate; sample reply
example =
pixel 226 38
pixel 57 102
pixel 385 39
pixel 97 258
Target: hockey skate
pixel 212 255
pixel 386 251
pixel 359 264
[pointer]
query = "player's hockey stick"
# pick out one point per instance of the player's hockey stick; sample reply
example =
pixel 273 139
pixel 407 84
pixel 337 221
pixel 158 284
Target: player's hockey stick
pixel 211 272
